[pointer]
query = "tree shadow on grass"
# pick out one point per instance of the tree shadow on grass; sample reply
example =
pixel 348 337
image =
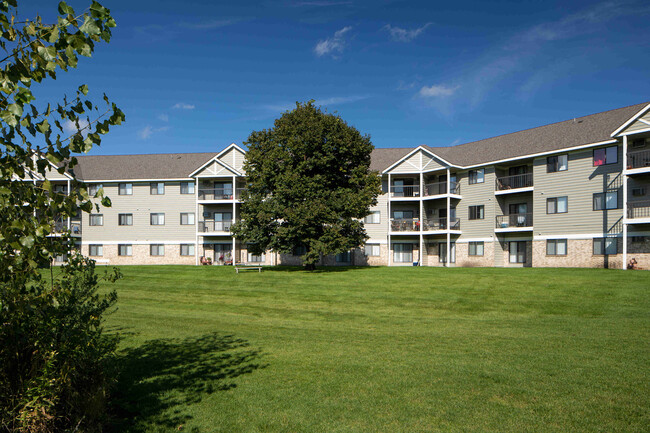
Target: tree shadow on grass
pixel 318 270
pixel 158 380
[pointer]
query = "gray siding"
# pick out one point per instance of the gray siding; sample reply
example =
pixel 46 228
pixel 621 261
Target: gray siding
pixel 639 126
pixel 477 194
pixel 578 183
pixel 141 204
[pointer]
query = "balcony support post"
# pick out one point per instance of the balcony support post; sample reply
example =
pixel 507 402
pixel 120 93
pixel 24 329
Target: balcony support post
pixel 69 217
pixel 448 225
pixel 234 217
pixel 390 256
pixel 196 220
pixel 624 264
pixel 422 216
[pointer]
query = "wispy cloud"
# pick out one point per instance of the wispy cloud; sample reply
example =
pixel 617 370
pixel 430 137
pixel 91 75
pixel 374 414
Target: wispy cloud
pixel 70 127
pixel 164 117
pixel 148 131
pixel 333 100
pixel 322 3
pixel 437 91
pixel 334 44
pixel 183 106
pixel 405 35
pixel 208 24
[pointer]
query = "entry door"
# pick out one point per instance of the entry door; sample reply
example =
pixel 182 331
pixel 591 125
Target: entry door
pixel 517 251
pixel 222 221
pixel 442 252
pixel 222 254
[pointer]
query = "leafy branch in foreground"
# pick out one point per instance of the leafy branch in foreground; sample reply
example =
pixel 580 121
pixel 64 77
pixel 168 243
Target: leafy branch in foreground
pixel 52 348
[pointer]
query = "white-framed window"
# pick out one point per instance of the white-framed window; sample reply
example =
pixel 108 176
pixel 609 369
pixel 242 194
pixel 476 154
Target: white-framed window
pixel 343 257
pixel 157 219
pixel 187 187
pixel 517 251
pixel 372 250
pixel 402 253
pixel 605 155
pixel 124 250
pixel 96 250
pixel 605 246
pixel 556 247
pixel 476 248
pixel 157 188
pixel 557 163
pixel 126 189
pixel 442 252
pixel 187 219
pixel 187 249
pixel 476 176
pixel 254 258
pixel 477 212
pixel 125 219
pixel 606 200
pixel 557 205
pixel 96 219
pixel 94 188
pixel 373 218
pixel 157 250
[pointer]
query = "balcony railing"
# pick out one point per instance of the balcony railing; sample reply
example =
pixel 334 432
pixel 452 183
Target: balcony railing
pixel 238 192
pixel 405 224
pixel 514 220
pixel 638 209
pixel 405 191
pixel 215 193
pixel 638 159
pixel 513 182
pixel 61 226
pixel 438 188
pixel 214 226
pixel 433 224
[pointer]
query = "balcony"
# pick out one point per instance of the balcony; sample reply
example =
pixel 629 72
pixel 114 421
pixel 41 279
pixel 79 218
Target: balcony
pixel 215 226
pixel 405 191
pixel 638 212
pixel 513 184
pixel 215 194
pixel 440 188
pixel 514 222
pixel 639 161
pixel 404 225
pixel 434 224
pixel 61 226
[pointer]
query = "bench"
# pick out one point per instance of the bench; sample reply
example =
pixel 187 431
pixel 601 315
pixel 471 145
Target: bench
pixel 247 267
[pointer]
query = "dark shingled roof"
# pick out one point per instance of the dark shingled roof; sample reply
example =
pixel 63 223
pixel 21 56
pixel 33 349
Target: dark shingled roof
pixel 154 166
pixel 556 136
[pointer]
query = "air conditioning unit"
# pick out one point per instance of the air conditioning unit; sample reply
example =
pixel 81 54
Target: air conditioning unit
pixel 207 214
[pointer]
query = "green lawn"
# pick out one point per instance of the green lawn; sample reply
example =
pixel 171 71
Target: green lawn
pixel 383 350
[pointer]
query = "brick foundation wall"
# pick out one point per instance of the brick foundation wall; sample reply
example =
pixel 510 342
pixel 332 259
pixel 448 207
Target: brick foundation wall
pixel 465 260
pixel 580 255
pixel 141 256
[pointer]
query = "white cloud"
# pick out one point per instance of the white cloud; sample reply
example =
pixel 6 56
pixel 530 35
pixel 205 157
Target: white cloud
pixel 338 100
pixel 404 35
pixel 148 131
pixel 163 117
pixel 183 106
pixel 332 45
pixel 322 3
pixel 437 91
pixel 70 127
pixel 208 24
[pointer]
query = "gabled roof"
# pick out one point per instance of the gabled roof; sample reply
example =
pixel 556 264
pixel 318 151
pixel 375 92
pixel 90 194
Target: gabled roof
pixel 594 128
pixel 153 166
pixel 382 158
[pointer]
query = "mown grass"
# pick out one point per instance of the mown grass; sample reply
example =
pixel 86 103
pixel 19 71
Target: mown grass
pixel 382 350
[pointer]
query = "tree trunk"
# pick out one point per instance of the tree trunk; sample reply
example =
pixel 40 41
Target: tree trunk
pixel 310 266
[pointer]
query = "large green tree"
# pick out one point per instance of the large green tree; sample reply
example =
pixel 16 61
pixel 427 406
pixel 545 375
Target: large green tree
pixel 53 352
pixel 309 184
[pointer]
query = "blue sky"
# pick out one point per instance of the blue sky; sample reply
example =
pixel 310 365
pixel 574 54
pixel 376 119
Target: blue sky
pixel 195 76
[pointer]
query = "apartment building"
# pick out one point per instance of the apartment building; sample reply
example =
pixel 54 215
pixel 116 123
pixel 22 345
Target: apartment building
pixel 574 193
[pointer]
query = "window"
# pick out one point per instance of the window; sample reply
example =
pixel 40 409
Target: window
pixel 253 258
pixel 94 188
pixel 96 250
pixel 442 252
pixel 373 218
pixel 476 212
pixel 638 143
pixel 124 250
pixel 156 250
pixel 343 257
pixel 187 187
pixel 402 253
pixel 605 246
pixel 300 250
pixel 606 155
pixel 157 219
pixel 476 248
pixel 372 250
pixel 125 219
pixel 187 219
pixel 557 205
pixel 517 251
pixel 606 200
pixel 476 176
pixel 96 219
pixel 638 239
pixel 157 188
pixel 187 249
pixel 638 192
pixel 126 189
pixel 556 247
pixel 557 163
